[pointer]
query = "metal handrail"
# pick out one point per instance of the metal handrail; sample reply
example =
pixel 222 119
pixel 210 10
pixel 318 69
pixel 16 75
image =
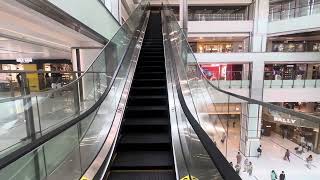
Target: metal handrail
pixel 225 170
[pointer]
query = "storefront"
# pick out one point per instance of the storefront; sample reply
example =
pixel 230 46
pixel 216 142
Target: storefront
pixel 222 71
pixel 37 81
pixel 220 47
pixel 295 46
pixel 285 71
pixel 297 130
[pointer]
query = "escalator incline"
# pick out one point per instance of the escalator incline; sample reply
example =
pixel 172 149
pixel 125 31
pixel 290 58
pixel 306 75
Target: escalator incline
pixel 144 149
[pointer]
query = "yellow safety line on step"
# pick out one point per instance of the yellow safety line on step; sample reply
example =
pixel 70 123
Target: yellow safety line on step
pixel 188 178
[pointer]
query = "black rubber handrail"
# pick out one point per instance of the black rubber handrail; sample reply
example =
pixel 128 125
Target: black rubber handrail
pixel 226 171
pixel 20 152
pixel 221 163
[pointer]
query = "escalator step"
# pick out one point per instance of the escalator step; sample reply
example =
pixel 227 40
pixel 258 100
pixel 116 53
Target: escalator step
pixel 146 138
pixel 159 100
pixel 147 108
pixel 131 160
pixel 146 122
pixel 149 97
pixel 142 175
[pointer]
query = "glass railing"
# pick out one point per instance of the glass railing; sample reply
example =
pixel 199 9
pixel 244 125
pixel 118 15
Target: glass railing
pixel 241 79
pixel 217 17
pixel 37 81
pixel 294 79
pixel 234 131
pixel 58 138
pixel 276 15
pixel 203 160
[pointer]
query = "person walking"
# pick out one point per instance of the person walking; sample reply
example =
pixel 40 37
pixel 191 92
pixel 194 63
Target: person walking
pixel 282 176
pixel 250 168
pixel 287 155
pixel 246 164
pixel 259 150
pixel 231 164
pixel 237 168
pixel 309 161
pixel 239 158
pixel 56 80
pixel 273 175
pixel 224 136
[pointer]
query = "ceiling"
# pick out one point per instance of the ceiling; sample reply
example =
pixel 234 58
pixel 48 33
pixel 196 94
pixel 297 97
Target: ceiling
pixel 25 32
pixel 12 49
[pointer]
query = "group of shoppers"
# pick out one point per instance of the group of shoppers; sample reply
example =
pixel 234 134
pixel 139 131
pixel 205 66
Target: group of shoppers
pixel 274 175
pixel 247 165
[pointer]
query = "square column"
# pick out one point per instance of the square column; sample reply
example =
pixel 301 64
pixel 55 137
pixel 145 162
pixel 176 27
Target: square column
pixel 260 26
pixel 251 113
pixel 183 15
pixel 250 129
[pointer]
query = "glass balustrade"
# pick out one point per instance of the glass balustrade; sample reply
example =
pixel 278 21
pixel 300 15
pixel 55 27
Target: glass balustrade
pixel 236 122
pixel 29 117
pixel 289 13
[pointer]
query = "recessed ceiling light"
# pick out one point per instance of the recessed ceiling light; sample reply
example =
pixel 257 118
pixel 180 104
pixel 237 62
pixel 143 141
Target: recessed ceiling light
pixel 3 39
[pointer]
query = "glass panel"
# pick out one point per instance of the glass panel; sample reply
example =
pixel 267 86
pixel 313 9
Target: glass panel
pixel 30 166
pixel 62 156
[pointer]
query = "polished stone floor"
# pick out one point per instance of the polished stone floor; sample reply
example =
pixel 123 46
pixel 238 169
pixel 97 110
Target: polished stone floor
pixel 272 156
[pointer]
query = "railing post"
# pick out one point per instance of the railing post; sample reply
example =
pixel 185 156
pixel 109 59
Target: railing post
pixel 27 106
pixel 28 115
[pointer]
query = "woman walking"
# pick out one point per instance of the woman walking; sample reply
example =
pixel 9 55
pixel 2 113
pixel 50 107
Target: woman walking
pixel 287 155
pixel 273 175
pixel 250 168
pixel 246 164
pixel 309 161
pixel 239 158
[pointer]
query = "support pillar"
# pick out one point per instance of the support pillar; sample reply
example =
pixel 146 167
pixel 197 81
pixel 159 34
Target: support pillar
pixel 260 26
pixel 183 9
pixel 309 71
pixel 251 113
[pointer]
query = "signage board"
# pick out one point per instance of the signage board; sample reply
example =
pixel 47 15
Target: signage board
pixel 24 60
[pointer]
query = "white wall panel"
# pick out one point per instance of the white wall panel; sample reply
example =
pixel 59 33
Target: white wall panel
pixel 92 14
pixel 291 95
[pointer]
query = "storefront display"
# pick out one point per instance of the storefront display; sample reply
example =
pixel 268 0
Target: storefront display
pixel 219 47
pixel 37 81
pixel 285 71
pixel 295 129
pixel 222 71
pixel 295 46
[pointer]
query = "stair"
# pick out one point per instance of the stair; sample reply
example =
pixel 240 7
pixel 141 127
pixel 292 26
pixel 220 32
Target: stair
pixel 144 149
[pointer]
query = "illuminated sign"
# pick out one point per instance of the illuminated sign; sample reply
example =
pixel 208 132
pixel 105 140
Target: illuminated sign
pixel 285 120
pixel 24 60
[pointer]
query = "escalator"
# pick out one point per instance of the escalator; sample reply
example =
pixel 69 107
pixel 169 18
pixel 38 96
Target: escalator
pixel 155 137
pixel 144 149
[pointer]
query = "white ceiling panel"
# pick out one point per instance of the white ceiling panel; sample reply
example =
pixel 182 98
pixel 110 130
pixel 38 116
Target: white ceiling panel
pixel 20 22
pixel 11 49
